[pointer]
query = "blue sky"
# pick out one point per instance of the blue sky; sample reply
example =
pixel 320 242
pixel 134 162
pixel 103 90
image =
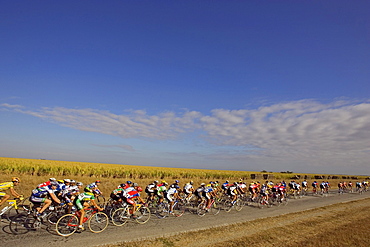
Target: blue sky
pixel 238 85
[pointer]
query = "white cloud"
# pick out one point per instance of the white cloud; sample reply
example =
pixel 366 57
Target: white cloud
pixel 300 131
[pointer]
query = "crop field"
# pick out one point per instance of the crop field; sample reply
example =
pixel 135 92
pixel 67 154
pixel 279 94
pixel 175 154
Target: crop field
pixel 33 172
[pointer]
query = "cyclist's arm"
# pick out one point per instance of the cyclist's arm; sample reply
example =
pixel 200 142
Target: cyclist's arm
pixel 14 193
pixel 54 197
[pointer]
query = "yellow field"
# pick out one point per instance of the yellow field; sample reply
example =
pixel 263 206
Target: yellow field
pixel 33 172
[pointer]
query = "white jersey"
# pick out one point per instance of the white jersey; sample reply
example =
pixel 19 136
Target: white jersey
pixel 188 187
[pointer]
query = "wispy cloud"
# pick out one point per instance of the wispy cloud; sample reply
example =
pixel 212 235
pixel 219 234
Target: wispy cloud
pixel 297 131
pixel 121 146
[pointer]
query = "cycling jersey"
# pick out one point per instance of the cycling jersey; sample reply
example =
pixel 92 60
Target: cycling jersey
pixel 232 190
pixel 187 188
pixel 150 188
pixel 81 198
pixel 39 194
pixel 161 189
pixel 6 185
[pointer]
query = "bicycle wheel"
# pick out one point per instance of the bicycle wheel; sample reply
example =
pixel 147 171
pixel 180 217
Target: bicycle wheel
pixel 228 205
pixel 178 209
pixel 238 205
pixel 120 217
pixel 284 201
pixel 54 216
pixel 21 224
pixel 98 222
pixel 161 211
pixel 215 209
pixel 67 225
pixel 142 215
pixel 11 213
pixel 100 200
pixel 201 210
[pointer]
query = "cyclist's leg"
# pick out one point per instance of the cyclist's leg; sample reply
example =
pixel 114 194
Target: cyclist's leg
pixel 3 198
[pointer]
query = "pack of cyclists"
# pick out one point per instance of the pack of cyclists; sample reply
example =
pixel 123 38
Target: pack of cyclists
pixel 74 195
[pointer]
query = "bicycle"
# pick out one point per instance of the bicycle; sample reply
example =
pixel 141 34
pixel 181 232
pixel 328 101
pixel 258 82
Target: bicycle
pixel 237 204
pixel 263 202
pixel 212 208
pixel 13 208
pixel 121 215
pixel 26 221
pixel 68 224
pixel 277 200
pixel 163 209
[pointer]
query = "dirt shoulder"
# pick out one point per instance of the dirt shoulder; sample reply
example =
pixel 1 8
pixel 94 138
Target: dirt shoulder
pixel 334 225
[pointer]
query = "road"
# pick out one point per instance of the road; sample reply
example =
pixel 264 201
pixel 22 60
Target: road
pixel 172 225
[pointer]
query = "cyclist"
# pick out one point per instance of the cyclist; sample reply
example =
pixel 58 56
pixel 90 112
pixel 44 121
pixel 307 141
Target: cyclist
pixel 225 186
pixel 209 193
pixel 151 190
pixel 9 186
pixel 358 186
pixel 340 187
pixel 296 188
pixel 130 194
pixel 305 186
pixel 233 192
pixel 253 189
pixel 93 188
pixel 161 191
pixel 188 190
pixel 281 191
pixel 172 194
pixel 115 195
pixel 264 193
pixel 199 192
pixel 82 202
pixel 39 195
pixel 70 193
pixel 314 187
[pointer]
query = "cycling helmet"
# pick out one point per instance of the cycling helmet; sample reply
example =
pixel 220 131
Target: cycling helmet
pixel 52 179
pixel 61 181
pixel 73 181
pixel 227 181
pixel 164 182
pixel 16 179
pixel 67 180
pixel 202 184
pixel 156 182
pixel 139 189
pixel 177 181
pixel 129 182
pixel 79 184
pixel 97 181
pixel 135 185
pixel 122 185
pixel 191 182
